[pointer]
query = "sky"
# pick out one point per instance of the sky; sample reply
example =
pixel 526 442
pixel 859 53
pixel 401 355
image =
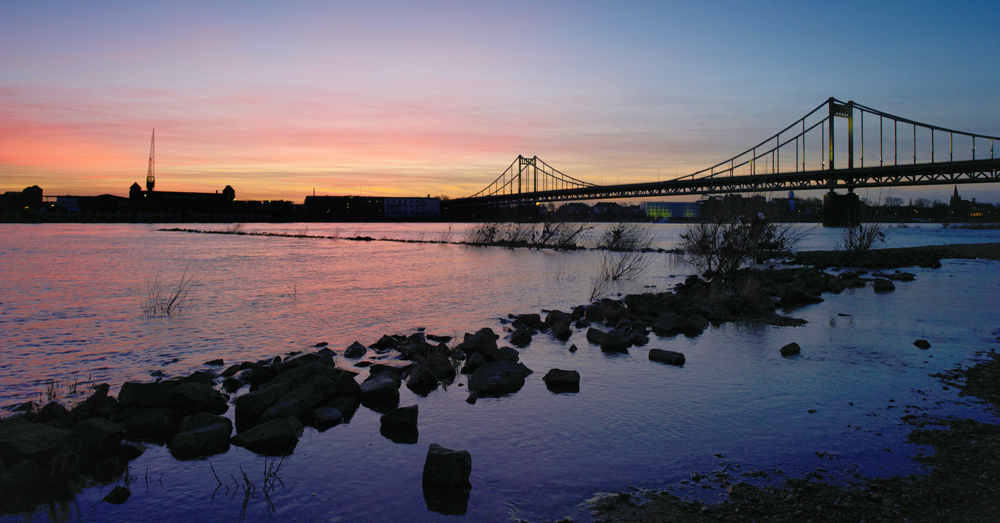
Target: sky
pixel 398 98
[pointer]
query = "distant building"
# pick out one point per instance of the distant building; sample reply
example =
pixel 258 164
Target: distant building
pixel 174 201
pixel 671 210
pixel 412 207
pixel 370 208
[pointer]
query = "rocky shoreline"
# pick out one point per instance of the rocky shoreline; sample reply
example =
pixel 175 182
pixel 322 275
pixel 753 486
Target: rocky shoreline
pixel 49 453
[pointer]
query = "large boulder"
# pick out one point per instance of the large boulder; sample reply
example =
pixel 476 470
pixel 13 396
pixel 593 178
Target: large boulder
pixel 520 337
pixel 483 341
pixel 197 397
pixel 145 395
pixel 421 380
pixel 380 392
pixel 200 435
pixel 34 441
pixel 669 324
pixel 447 468
pixel 249 407
pixel 558 380
pixel 400 425
pixel 616 341
pixel 157 425
pixel 666 356
pixel 560 330
pixel 498 378
pixel 300 401
pixel 100 437
pixel 275 438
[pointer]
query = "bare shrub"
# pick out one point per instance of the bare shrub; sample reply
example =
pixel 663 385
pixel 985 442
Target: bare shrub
pixel 870 230
pixel 735 236
pixel 622 256
pixel 161 300
pixel 551 235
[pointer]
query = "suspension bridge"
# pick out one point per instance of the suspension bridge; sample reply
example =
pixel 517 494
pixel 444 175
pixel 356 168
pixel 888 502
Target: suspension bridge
pixel 884 151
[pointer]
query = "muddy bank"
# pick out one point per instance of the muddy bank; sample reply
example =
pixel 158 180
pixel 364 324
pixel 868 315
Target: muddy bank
pixel 928 256
pixel 962 482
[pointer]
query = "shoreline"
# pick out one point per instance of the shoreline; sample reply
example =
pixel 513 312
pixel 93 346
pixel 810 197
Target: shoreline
pixel 960 484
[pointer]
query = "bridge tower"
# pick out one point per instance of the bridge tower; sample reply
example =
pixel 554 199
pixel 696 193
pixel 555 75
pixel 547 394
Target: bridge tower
pixel 840 210
pixel 151 172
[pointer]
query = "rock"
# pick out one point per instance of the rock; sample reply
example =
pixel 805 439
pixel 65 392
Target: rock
pixel 200 377
pixel 447 468
pixel 572 348
pixel 400 425
pixel 558 380
pixel 380 392
pixel 520 337
pixel 447 501
pixel 275 438
pixel 153 425
pixel 98 405
pixel 249 407
pixel 200 435
pixel 232 370
pixel 117 496
pixel 301 400
pixel 527 321
pixel 52 411
pixel 507 354
pixel 132 450
pixel 796 296
pixel 215 362
pixel 197 397
pixel 403 416
pixel 385 343
pixel 595 336
pixel 472 398
pixel 421 380
pixel 100 438
pixel 560 330
pixel 883 285
pixel 616 341
pixel 922 344
pixel 666 356
pixel 668 324
pixel 694 325
pixel 902 276
pixel 356 350
pixel 483 341
pixel 473 362
pixel 347 405
pixel 34 441
pixel 791 349
pixel 498 378
pixel 232 385
pixel 326 417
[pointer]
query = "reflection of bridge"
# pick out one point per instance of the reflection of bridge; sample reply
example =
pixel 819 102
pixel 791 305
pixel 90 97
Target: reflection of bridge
pixel 909 154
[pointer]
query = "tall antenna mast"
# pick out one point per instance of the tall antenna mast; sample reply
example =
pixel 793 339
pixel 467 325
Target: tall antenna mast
pixel 151 173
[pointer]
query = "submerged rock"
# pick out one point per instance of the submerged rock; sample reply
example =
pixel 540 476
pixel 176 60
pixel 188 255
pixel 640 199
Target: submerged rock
pixel 883 285
pixel 666 356
pixel 791 349
pixel 558 380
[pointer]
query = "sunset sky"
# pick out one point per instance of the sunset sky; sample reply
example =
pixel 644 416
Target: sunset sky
pixel 415 98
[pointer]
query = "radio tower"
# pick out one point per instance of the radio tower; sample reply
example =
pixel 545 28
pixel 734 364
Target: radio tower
pixel 151 173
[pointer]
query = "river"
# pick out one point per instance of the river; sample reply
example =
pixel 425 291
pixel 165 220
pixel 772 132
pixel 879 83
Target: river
pixel 71 315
